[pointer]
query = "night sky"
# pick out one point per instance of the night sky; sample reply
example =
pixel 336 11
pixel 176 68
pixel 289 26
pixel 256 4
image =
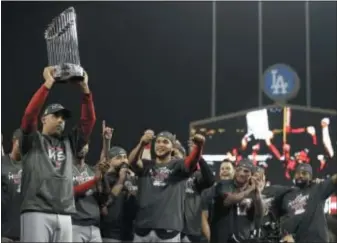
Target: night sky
pixel 149 63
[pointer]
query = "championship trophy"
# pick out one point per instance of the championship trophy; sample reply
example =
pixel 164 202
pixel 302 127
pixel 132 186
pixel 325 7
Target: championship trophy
pixel 62 47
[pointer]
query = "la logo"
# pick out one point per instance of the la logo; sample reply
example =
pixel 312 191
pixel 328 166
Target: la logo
pixel 279 84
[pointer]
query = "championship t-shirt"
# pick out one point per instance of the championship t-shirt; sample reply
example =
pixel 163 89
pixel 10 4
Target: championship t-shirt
pixel 161 194
pixel 11 172
pixel 303 211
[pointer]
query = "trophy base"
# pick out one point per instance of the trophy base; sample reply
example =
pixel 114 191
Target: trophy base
pixel 68 72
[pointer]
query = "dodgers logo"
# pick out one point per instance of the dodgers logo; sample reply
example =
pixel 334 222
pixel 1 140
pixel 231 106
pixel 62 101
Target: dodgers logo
pixel 280 82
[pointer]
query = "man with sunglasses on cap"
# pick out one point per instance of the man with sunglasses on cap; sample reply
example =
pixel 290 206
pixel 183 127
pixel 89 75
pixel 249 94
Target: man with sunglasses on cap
pixel 161 187
pixel 117 222
pixel 237 203
pixel 11 171
pixel 302 208
pixel 48 158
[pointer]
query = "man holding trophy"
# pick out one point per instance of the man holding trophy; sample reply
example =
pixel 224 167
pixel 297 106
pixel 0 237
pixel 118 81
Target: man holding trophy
pixel 48 156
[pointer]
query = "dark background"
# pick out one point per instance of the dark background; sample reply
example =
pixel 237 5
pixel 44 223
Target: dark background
pixel 235 128
pixel 149 63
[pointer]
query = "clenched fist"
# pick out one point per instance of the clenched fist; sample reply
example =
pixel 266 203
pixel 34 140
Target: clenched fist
pixel 147 137
pixel 198 139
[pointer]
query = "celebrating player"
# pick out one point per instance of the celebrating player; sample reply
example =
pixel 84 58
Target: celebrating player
pixel 48 157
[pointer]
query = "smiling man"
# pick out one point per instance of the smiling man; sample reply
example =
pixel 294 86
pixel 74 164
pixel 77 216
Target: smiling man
pixel 303 207
pixel 161 188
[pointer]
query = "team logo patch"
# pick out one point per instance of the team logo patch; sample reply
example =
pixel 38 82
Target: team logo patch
pixel 280 83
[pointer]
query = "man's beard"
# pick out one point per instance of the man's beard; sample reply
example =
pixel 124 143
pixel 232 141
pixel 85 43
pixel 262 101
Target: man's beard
pixel 122 165
pixel 163 156
pixel 301 183
pixel 60 128
pixel 241 182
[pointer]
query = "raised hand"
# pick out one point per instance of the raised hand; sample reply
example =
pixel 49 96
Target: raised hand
pixel 311 130
pixel 84 84
pixel 107 132
pixel 198 139
pixel 147 137
pixel 48 75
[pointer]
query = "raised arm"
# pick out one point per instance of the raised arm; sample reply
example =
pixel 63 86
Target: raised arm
pixel 272 147
pixel 30 117
pixel 328 187
pixel 134 157
pixel 88 115
pixel 106 136
pixel 193 158
pixel 146 154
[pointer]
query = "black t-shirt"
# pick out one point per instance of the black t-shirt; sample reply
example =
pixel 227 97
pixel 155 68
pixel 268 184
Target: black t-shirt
pixel 87 208
pixel 118 224
pixel 270 221
pixel 235 221
pixel 272 197
pixel 207 201
pixel 11 199
pixel 303 211
pixel 161 194
pixel 207 196
pixel 192 213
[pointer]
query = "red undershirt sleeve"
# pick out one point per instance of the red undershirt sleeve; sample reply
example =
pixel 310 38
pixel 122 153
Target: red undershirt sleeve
pixel 88 116
pixel 82 188
pixel 30 118
pixel 192 159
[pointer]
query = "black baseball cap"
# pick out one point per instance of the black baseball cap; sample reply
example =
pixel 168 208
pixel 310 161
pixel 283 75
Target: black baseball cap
pixel 54 108
pixel 304 167
pixel 248 164
pixel 168 135
pixel 115 151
